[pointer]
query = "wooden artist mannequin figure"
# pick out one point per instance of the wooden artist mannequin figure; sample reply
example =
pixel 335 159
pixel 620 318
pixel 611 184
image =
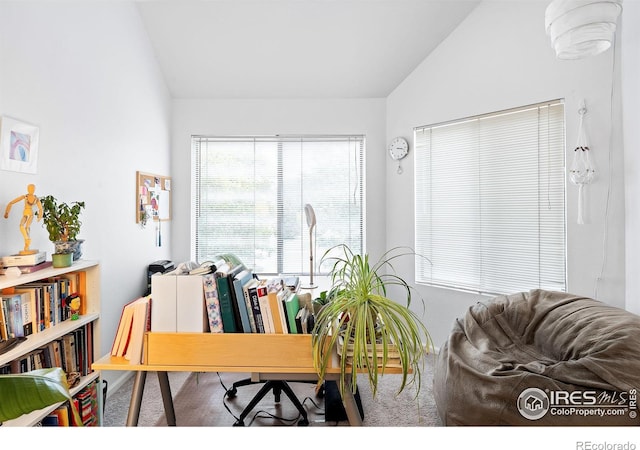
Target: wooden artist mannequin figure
pixel 30 200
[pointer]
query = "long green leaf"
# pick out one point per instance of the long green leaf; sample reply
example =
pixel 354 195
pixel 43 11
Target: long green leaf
pixel 29 391
pixel 358 309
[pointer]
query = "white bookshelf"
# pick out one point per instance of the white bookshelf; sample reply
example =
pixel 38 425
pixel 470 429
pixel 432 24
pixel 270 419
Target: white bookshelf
pixel 91 297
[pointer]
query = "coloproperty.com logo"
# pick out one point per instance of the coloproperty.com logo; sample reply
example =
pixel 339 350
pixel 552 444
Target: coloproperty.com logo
pixel 534 403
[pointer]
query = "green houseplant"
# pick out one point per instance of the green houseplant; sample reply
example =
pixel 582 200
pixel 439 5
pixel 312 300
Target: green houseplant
pixel 62 221
pixel 370 330
pixel 25 392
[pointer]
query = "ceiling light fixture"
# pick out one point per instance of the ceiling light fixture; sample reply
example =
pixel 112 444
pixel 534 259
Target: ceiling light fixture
pixel 581 28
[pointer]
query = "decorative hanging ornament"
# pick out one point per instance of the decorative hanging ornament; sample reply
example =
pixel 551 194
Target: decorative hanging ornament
pixel 582 171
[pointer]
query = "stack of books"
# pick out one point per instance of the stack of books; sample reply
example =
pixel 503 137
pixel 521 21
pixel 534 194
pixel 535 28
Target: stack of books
pixel 26 263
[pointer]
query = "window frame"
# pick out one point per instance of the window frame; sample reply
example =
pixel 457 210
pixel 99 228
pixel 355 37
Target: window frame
pixel 559 179
pixel 355 173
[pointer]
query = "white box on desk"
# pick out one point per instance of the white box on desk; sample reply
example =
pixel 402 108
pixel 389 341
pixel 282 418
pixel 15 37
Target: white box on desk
pixel 178 303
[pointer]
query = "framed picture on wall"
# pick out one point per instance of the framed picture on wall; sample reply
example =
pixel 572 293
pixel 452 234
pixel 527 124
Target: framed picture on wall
pixel 18 146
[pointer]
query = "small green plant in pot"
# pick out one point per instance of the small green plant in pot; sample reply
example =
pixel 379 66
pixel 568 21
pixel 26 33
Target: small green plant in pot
pixel 62 221
pixel 364 325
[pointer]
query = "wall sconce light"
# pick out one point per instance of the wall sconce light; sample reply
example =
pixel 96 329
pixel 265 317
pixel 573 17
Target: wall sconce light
pixel 581 28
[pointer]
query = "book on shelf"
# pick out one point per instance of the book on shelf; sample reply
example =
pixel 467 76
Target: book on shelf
pixel 240 280
pixel 30 268
pixel 275 294
pixel 81 351
pixel 123 331
pixel 57 358
pixel 204 268
pixel 292 306
pixel 226 300
pixel 292 282
pixel 28 304
pixel 69 351
pixel 134 322
pixel 24 260
pixel 140 325
pixel 31 308
pixel 251 296
pixel 12 304
pixel 88 404
pixel 47 302
pixel 212 303
pixel 263 302
pixel 301 319
pixel 3 322
pixel 235 305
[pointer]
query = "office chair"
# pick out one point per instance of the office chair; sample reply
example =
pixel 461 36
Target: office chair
pixel 278 387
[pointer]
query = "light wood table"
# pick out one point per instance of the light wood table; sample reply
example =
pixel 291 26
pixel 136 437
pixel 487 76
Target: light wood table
pixel 284 357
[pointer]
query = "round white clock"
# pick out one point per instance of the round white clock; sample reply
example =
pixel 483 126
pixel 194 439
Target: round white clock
pixel 398 149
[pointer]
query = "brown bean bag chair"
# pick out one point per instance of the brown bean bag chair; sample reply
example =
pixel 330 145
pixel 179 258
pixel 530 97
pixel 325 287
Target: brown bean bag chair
pixel 540 358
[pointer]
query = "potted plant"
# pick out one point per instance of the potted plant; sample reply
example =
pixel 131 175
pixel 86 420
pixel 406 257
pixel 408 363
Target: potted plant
pixel 22 393
pixel 62 221
pixel 368 329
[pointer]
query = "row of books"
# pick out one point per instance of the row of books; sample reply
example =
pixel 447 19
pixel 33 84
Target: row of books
pixel 33 307
pixel 237 301
pixel 86 402
pixel 73 352
pixel 135 320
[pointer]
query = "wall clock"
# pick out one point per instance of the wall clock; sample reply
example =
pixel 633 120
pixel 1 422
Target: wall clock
pixel 398 149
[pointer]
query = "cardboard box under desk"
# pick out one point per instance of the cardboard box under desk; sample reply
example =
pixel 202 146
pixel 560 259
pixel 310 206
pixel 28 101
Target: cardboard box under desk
pixel 177 303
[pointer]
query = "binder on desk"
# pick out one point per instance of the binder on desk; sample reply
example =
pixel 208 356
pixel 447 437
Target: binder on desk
pixel 228 308
pixel 178 303
pixel 239 281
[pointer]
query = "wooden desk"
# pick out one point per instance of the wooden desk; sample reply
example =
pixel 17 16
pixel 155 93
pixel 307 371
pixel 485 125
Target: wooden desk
pixel 266 356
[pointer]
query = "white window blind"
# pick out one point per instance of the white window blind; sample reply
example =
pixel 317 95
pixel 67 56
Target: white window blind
pixel 250 194
pixel 490 201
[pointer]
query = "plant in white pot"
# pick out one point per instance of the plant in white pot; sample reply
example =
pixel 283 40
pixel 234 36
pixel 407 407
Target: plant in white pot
pixel 370 330
pixel 62 221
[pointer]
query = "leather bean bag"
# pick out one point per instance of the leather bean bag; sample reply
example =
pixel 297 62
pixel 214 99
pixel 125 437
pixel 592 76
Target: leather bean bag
pixel 540 358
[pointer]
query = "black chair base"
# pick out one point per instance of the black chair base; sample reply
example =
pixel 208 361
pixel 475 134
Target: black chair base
pixel 278 387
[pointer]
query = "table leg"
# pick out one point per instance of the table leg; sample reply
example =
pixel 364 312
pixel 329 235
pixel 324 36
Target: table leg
pixel 136 399
pixel 167 400
pixel 351 407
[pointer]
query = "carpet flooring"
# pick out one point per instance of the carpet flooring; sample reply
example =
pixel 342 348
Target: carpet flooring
pixel 200 401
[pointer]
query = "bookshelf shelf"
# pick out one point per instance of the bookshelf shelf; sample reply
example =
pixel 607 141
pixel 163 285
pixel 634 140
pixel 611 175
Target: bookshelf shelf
pixel 89 290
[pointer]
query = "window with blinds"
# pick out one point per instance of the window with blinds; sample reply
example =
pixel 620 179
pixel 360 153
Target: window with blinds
pixel 250 194
pixel 490 201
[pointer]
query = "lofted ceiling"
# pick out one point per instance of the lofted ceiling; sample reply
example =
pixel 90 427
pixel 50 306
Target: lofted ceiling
pixel 295 48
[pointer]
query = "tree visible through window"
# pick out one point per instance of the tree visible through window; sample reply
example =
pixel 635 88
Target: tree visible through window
pixel 489 201
pixel 250 194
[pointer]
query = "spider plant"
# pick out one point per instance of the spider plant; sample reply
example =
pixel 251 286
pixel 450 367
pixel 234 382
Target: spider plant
pixel 25 392
pixel 374 329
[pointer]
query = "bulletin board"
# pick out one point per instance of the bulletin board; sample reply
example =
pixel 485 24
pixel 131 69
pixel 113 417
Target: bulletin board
pixel 153 195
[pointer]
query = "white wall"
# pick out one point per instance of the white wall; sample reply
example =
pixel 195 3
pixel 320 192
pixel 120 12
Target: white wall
pixel 631 119
pixel 498 58
pixel 270 117
pixel 84 72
